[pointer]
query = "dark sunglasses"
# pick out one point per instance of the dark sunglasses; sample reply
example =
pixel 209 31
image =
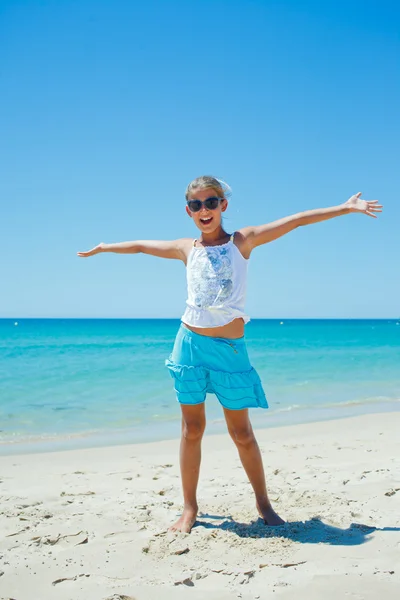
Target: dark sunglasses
pixel 210 204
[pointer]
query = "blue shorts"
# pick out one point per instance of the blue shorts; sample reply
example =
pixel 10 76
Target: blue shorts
pixel 200 364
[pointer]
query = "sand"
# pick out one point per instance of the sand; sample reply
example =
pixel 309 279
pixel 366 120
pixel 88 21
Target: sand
pixel 92 524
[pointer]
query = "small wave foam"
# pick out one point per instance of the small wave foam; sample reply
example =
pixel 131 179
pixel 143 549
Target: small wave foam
pixel 289 408
pixel 329 405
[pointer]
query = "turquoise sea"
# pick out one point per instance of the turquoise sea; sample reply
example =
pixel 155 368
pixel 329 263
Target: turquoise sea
pixel 86 382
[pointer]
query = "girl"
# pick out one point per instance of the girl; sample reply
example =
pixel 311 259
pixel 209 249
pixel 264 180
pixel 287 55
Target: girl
pixel 209 353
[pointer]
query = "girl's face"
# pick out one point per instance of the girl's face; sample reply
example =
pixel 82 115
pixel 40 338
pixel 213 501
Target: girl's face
pixel 207 220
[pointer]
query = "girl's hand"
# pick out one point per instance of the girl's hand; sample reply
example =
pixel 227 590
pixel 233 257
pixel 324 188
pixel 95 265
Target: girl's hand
pixel 368 207
pixel 92 252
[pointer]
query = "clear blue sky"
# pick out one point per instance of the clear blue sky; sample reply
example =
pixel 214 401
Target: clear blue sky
pixel 109 108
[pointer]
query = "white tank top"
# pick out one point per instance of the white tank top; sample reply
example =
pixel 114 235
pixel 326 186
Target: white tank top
pixel 216 283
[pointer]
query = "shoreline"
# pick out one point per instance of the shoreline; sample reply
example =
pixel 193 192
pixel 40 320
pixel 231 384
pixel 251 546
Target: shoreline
pixel 170 429
pixel 78 523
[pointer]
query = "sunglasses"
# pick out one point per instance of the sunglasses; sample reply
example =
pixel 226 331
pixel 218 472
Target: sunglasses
pixel 209 204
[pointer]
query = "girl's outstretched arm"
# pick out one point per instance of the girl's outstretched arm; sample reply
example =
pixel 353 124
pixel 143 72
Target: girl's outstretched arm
pixel 178 249
pixel 262 234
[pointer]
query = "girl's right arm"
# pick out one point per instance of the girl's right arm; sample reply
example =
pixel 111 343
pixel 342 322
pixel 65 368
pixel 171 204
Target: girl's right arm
pixel 178 249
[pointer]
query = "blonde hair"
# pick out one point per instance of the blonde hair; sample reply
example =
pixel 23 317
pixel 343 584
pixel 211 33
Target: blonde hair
pixel 207 181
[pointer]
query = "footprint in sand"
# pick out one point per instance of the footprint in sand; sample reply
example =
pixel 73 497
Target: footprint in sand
pixel 78 494
pixel 23 506
pixel 119 597
pixel 392 492
pixel 73 539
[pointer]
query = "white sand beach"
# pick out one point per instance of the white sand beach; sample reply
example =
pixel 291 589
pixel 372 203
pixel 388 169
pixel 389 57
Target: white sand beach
pixel 92 524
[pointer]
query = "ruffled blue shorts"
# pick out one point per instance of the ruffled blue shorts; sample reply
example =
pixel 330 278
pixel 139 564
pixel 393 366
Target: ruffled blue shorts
pixel 200 364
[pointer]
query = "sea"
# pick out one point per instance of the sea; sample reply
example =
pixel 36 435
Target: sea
pixel 77 383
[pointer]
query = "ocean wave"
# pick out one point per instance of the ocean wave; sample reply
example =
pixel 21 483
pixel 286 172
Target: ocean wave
pixel 358 402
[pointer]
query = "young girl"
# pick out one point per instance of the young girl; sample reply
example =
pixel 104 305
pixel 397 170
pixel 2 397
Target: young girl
pixel 209 353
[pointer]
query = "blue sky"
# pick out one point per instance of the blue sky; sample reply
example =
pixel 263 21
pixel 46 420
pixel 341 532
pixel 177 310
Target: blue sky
pixel 108 109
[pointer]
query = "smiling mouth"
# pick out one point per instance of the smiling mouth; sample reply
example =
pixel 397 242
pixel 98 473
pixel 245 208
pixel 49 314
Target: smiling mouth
pixel 206 221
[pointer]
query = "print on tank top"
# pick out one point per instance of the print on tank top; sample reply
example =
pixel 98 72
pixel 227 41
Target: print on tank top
pixel 211 277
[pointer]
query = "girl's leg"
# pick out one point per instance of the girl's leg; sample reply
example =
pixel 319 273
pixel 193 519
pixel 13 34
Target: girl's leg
pixel 241 432
pixel 193 426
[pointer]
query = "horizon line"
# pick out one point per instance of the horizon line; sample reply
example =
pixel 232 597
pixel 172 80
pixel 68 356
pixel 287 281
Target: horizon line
pixel 178 318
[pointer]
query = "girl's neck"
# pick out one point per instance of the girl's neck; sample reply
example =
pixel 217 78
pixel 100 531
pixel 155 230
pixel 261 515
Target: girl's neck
pixel 213 238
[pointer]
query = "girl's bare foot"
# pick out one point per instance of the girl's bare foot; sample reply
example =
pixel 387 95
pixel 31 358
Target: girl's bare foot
pixel 186 520
pixel 270 517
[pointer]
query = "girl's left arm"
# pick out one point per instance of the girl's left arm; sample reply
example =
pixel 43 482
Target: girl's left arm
pixel 262 234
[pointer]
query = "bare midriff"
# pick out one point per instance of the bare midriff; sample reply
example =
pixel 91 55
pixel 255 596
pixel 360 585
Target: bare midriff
pixel 233 330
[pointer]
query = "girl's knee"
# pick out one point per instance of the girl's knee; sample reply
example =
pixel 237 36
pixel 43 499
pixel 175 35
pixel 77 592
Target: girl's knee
pixel 242 436
pixel 193 430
